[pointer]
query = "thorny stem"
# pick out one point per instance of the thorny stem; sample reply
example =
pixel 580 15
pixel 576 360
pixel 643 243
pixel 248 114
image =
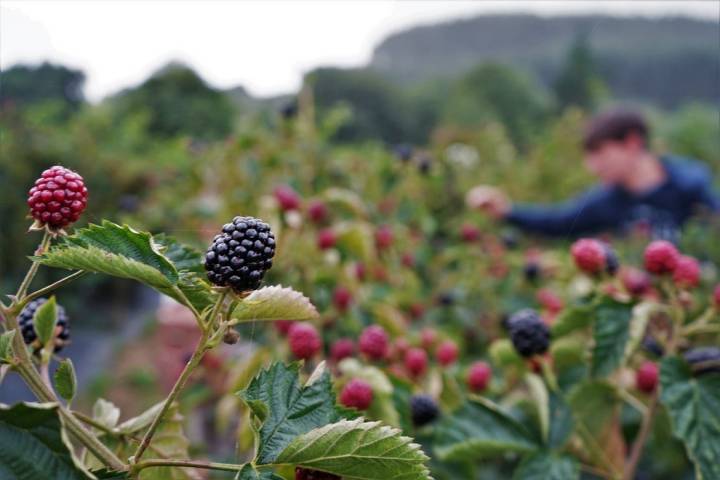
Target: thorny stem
pixel 641 438
pixel 30 275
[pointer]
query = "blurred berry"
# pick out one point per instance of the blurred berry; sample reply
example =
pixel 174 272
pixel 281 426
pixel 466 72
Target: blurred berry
pixel 661 257
pixel 374 342
pixel 479 376
pixel 357 394
pixel 304 340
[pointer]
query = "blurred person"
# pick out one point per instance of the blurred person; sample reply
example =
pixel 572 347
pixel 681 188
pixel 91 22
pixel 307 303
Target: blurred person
pixel 637 187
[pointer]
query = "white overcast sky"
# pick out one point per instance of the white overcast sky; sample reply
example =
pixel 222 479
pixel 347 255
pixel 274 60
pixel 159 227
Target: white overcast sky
pixel 263 46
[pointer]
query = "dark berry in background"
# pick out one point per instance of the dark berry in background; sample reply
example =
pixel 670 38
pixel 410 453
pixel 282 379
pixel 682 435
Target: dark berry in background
pixel 704 355
pixel 529 334
pixel 423 410
pixel 27 327
pixel 58 197
pixel 241 254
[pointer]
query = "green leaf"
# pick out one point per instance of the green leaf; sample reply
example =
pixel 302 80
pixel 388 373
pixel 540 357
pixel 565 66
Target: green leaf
pixel 114 250
pixel 561 422
pixel 274 303
pixel 547 466
pixel 33 445
pixel 572 318
pixel 539 394
pixel 198 292
pixel 184 257
pixel 45 319
pixel 593 403
pixel 6 349
pixel 480 429
pixel 611 332
pixel 65 380
pixel 284 409
pixel 358 450
pixel 694 407
pixel 249 473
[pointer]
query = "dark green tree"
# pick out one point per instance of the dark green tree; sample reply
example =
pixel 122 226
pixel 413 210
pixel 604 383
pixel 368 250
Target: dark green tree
pixel 578 82
pixel 24 85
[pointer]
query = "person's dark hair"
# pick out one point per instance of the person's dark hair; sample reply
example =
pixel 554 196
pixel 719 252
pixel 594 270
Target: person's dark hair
pixel 614 125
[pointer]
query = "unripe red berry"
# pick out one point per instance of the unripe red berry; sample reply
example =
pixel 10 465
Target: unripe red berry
pixel 646 377
pixel 58 198
pixel 661 257
pixel 326 239
pixel 317 211
pixel 304 340
pixel 478 376
pixel 716 296
pixel 384 237
pixel 374 342
pixel 447 353
pixel 589 255
pixel 408 260
pixel 342 298
pixel 416 361
pixel 549 300
pixel 287 197
pixel 469 233
pixel 635 281
pixel 428 337
pixel 357 394
pixel 283 326
pixel 341 349
pixel 687 272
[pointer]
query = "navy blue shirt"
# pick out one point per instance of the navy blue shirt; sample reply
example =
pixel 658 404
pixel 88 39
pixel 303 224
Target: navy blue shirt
pixel 686 189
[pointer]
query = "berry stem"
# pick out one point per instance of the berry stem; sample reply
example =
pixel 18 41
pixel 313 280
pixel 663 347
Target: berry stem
pixel 44 244
pixel 53 286
pixel 639 442
pixel 228 467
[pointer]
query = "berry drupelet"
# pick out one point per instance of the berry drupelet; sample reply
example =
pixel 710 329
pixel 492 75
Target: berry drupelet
pixel 529 334
pixel 241 254
pixel 58 198
pixel 27 327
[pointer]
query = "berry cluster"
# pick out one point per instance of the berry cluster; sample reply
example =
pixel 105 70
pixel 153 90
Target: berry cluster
pixel 241 254
pixel 529 334
pixel 58 198
pixel 27 327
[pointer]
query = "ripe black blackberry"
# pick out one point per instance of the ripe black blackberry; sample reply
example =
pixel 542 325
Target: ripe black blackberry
pixel 423 410
pixel 709 357
pixel 27 327
pixel 532 271
pixel 529 334
pixel 612 263
pixel 650 345
pixel 241 254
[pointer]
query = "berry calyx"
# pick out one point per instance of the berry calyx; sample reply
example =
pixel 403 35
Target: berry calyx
pixel 661 257
pixel 478 376
pixel 589 255
pixel 287 198
pixel 342 298
pixel 687 272
pixel 416 361
pixel 307 474
pixel 646 377
pixel 341 349
pixel 27 326
pixel 57 199
pixel 304 340
pixel 374 342
pixel 423 410
pixel 529 334
pixel 326 239
pixel 357 393
pixel 241 254
pixel 447 353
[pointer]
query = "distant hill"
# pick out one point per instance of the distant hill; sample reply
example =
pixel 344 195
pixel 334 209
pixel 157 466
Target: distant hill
pixel 667 61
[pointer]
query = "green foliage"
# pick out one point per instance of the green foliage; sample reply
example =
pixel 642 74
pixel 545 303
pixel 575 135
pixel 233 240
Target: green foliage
pixel 6 351
pixel 25 85
pixel 45 320
pixel 578 83
pixel 548 466
pixel 274 303
pixel 248 472
pixel 611 332
pixel 65 380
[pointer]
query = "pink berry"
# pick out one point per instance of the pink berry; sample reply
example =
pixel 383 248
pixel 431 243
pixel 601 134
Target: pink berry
pixel 283 326
pixel 317 211
pixel 661 257
pixel 341 349
pixel 687 272
pixel 646 377
pixel 342 298
pixel 58 198
pixel 416 361
pixel 383 237
pixel 549 300
pixel 374 342
pixel 589 255
pixel 428 337
pixel 287 197
pixel 479 376
pixel 469 233
pixel 447 353
pixel 304 340
pixel 357 394
pixel 408 260
pixel 326 239
pixel 635 281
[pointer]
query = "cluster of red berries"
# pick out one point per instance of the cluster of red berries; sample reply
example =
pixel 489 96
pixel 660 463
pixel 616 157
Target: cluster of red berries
pixel 663 258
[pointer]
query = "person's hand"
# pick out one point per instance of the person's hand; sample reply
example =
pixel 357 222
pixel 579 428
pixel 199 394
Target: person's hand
pixel 491 200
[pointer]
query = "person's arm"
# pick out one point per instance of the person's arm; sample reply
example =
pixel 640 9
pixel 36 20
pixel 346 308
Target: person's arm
pixel 708 197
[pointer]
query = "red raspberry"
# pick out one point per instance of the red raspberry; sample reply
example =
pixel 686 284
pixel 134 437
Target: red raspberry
pixel 342 298
pixel 661 257
pixel 287 197
pixel 635 281
pixel 716 296
pixel 383 237
pixel 357 394
pixel 469 233
pixel 646 377
pixel 479 376
pixel 428 337
pixel 687 272
pixel 317 211
pixel 304 340
pixel 447 353
pixel 416 361
pixel 589 255
pixel 283 326
pixel 549 300
pixel 306 474
pixel 374 342
pixel 342 348
pixel 326 239
pixel 58 198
